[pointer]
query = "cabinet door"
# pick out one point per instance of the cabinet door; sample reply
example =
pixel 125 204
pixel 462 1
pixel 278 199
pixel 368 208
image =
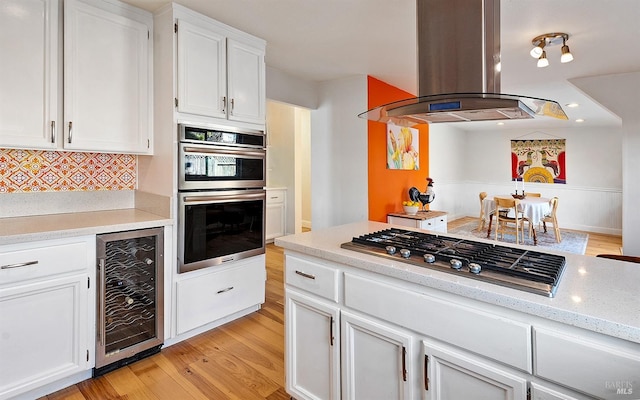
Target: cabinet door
pixel 312 348
pixel 43 333
pixel 202 73
pixel 107 77
pixel 275 221
pixel 246 80
pixel 540 392
pixel 376 360
pixel 452 374
pixel 28 73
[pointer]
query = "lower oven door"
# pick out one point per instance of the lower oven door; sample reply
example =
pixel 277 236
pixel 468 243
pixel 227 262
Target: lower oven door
pixel 216 227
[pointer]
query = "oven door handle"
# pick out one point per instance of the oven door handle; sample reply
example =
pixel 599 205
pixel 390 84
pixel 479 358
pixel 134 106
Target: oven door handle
pixel 223 151
pixel 223 197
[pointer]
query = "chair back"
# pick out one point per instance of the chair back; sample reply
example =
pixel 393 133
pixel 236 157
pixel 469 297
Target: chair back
pixel 502 219
pixel 529 194
pixel 553 203
pixel 483 195
pixel 503 202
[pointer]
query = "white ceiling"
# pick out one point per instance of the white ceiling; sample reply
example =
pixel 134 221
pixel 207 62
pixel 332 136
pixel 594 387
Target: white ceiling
pixel 330 39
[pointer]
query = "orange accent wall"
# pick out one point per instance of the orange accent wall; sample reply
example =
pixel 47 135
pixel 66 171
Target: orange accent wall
pixel 388 188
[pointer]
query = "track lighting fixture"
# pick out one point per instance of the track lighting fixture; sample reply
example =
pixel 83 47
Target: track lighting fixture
pixel 550 39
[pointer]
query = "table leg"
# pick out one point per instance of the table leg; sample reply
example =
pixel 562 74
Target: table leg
pixel 490 221
pixel 535 237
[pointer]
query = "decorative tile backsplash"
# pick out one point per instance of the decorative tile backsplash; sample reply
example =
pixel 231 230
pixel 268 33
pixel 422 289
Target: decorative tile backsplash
pixel 57 171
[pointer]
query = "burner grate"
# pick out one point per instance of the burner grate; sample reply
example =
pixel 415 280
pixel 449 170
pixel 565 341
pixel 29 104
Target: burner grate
pixel 505 265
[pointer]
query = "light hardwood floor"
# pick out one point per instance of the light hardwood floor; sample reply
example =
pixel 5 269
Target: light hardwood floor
pixel 241 360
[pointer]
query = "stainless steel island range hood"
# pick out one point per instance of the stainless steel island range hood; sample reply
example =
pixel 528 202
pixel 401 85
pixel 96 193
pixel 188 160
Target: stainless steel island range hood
pixel 459 70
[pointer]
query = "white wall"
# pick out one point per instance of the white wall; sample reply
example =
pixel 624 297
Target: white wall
pixel 472 162
pixel 339 153
pixel 289 89
pixel 303 180
pixel 281 155
pixel 620 93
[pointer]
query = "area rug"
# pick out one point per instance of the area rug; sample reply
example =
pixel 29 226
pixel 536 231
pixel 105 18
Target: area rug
pixel 572 242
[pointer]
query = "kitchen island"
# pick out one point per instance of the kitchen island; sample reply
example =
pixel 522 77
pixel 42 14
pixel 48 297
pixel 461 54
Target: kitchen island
pixel 407 330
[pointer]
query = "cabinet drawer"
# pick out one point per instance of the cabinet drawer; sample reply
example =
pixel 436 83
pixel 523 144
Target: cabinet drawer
pixel 206 297
pixel 486 334
pixel 275 196
pixel 36 260
pixel 412 223
pixel 596 367
pixel 312 277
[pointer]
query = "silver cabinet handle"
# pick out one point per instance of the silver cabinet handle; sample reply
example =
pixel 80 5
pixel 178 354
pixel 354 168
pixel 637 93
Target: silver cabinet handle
pixel 225 290
pixel 304 274
pixel 53 131
pixel 224 104
pixel 100 298
pixel 70 131
pixel 18 265
pixel 232 104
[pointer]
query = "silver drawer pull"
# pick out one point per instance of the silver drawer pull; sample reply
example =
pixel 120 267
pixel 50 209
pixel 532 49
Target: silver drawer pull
pixel 18 265
pixel 305 275
pixel 225 290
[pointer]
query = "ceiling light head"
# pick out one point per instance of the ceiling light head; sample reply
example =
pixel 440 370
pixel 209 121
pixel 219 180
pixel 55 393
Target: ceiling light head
pixel 566 55
pixel 542 61
pixel 536 52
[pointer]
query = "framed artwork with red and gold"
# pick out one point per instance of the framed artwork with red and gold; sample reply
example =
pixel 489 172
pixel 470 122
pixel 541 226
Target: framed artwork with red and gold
pixel 538 160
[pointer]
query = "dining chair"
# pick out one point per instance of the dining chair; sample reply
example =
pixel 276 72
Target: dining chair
pixel 529 194
pixel 551 218
pixel 505 221
pixel 483 195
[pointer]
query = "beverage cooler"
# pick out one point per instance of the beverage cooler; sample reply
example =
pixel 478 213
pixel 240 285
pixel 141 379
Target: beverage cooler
pixel 129 297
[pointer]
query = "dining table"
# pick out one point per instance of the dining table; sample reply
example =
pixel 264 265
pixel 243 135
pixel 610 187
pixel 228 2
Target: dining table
pixel 532 208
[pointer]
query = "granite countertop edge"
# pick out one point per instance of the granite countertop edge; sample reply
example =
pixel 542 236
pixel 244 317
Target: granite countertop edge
pixel 326 245
pixel 56 226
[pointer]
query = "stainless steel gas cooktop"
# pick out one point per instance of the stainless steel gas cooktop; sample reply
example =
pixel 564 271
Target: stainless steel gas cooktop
pixel 527 270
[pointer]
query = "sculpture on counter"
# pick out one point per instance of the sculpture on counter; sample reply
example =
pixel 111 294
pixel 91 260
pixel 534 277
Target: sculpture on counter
pixel 424 198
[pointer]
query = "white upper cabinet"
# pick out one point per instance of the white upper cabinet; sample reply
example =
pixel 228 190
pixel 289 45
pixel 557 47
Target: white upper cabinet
pixel 107 92
pixel 107 77
pixel 246 82
pixel 202 60
pixel 28 73
pixel 220 71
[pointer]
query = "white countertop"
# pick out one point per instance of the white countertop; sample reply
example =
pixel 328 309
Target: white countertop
pixel 596 294
pixel 55 226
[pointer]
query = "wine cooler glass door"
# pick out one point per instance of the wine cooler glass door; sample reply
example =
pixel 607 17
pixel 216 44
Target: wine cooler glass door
pixel 129 295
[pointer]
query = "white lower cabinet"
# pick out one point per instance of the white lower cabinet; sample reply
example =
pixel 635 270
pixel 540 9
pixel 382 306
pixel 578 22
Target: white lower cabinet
pixel 276 211
pixel 454 374
pixel 435 221
pixel 376 360
pixel 206 295
pixel 46 313
pixel 313 347
pixel 400 341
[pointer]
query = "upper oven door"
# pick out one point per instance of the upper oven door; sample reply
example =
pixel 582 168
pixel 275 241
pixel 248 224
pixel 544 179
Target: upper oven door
pixel 219 167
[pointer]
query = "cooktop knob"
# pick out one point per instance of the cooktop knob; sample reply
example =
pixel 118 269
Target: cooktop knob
pixel 390 249
pixel 430 258
pixel 456 264
pixel 475 268
pixel 405 253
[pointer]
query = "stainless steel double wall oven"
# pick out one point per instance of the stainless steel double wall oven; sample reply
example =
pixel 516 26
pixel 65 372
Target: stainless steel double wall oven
pixel 221 195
